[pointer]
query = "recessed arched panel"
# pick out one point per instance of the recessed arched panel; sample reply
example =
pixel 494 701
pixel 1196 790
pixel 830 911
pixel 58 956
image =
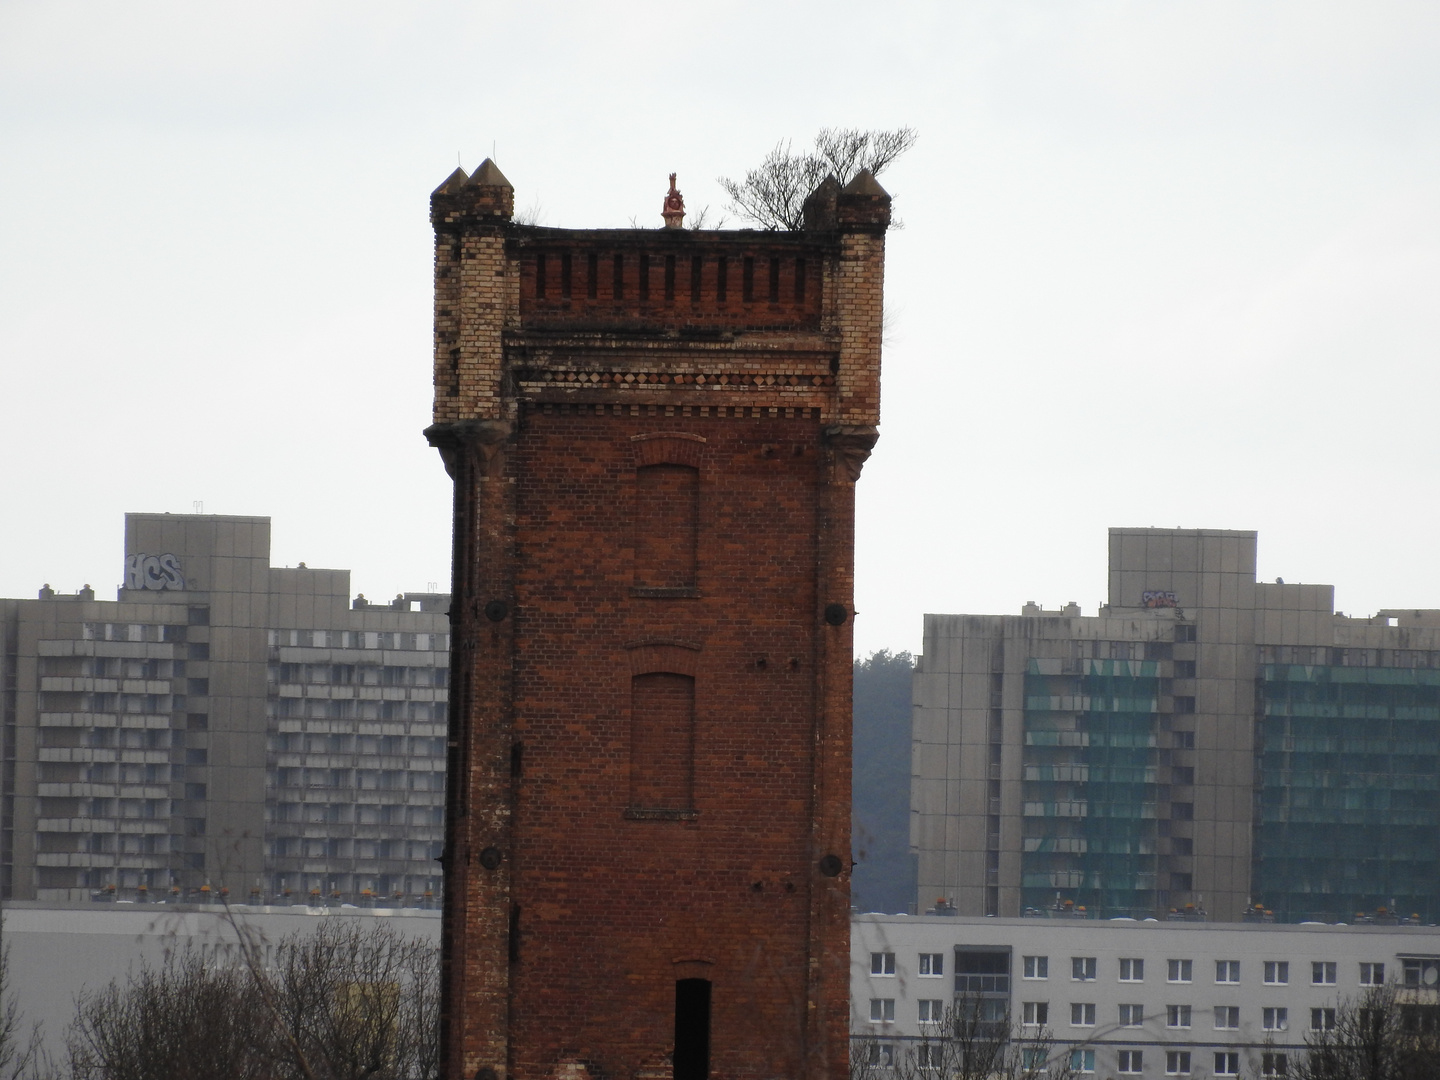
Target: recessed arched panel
pixel 667 527
pixel 662 741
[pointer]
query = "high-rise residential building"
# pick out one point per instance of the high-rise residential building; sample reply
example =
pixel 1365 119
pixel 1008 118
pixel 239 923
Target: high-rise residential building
pixel 223 724
pixel 654 437
pixel 1206 743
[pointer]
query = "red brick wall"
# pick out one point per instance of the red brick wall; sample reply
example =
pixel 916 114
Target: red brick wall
pixel 609 903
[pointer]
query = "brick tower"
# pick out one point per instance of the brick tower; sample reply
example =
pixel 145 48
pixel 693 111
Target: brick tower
pixel 654 437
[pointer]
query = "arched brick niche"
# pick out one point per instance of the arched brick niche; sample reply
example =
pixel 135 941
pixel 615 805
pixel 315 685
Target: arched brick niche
pixel 667 513
pixel 662 730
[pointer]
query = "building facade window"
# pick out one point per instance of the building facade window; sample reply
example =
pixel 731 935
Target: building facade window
pixel 882 963
pixel 1082 968
pixel 931 1010
pixel 1082 1061
pixel 1177 1062
pixel 1227 971
pixel 1179 971
pixel 1132 969
pixel 1035 1013
pixel 882 1010
pixel 932 965
pixel 1037 967
pixel 1227 1063
pixel 1372 974
pixel 1273 1064
pixel 1177 1016
pixel 1322 973
pixel 1082 1014
pixel 1227 1017
pixel 1421 971
pixel 1322 1019
pixel 1132 1015
pixel 1277 972
pixel 1130 1061
pixel 1275 1018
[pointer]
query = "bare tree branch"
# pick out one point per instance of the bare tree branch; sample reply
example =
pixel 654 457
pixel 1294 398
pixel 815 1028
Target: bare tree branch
pixel 972 1039
pixel 1382 1035
pixel 773 194
pixel 346 1002
pixel 21 1052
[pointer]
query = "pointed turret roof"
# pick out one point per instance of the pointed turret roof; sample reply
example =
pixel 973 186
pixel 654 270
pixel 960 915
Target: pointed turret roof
pixel 454 182
pixel 863 183
pixel 489 175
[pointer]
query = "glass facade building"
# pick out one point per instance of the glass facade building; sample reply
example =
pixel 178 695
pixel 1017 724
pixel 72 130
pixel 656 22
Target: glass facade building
pixel 1207 745
pixel 1349 786
pixel 1091 770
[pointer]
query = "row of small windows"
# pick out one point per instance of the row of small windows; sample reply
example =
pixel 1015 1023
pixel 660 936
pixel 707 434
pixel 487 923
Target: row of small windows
pixel 1082 1060
pixel 1178 1017
pixel 927 964
pixel 1304 655
pixel 357 675
pixel 1307 655
pixel 350 709
pixel 1132 969
pixel 111 738
pixel 1275 972
pixel 151 632
pixel 300 848
pixel 395 745
pixel 65 772
pixel 358 639
pixel 351 813
pixel 60 701
pixel 360 779
pixel 112 667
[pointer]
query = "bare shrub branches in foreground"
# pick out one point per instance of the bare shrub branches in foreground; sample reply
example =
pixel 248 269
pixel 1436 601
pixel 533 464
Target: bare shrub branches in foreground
pixel 21 1055
pixel 345 1002
pixel 1387 1033
pixel 974 1039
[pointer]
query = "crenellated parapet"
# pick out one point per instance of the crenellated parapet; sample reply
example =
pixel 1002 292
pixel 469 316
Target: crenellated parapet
pixel 531 316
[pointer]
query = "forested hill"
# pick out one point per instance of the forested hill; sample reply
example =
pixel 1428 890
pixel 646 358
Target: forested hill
pixel 884 878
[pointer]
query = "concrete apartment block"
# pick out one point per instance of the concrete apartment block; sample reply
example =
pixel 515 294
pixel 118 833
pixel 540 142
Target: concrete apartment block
pixel 1206 742
pixel 222 725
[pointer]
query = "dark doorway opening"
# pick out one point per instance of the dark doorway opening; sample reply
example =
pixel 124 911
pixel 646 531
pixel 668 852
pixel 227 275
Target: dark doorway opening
pixel 692 1029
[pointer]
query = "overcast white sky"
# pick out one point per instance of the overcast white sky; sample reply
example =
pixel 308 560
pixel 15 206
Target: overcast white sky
pixel 1166 263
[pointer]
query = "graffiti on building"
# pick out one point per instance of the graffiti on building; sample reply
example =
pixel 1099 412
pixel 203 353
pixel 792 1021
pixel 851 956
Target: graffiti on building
pixel 154 572
pixel 1156 598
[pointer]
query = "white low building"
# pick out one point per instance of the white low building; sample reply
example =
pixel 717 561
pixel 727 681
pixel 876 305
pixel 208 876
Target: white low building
pixel 1126 998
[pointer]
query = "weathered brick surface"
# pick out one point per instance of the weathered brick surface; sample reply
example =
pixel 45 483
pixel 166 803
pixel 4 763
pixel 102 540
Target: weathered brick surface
pixel 651 710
